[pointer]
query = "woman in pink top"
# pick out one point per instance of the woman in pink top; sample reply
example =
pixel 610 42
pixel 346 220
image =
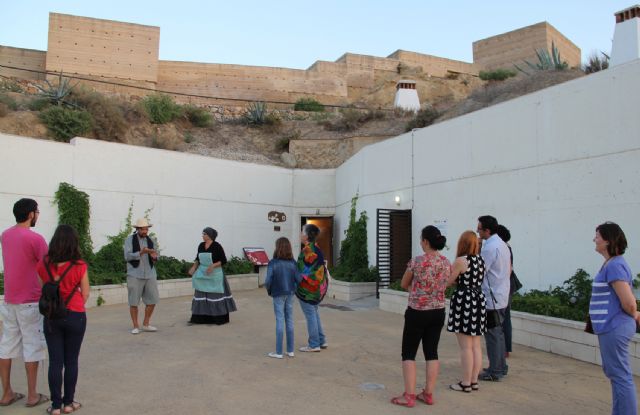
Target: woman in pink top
pixel 426 280
pixel 64 335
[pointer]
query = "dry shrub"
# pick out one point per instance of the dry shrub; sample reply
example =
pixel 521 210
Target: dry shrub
pixel 4 109
pixel 109 123
pixel 351 119
pixel 496 92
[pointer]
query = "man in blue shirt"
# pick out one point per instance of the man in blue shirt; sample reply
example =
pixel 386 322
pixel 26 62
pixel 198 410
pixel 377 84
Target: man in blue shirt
pixel 495 286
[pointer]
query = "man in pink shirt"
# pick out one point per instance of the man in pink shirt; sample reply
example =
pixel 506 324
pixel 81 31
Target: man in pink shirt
pixel 22 334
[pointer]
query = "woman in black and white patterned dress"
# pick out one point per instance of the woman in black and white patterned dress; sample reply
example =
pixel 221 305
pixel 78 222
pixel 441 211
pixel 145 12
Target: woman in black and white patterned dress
pixel 467 313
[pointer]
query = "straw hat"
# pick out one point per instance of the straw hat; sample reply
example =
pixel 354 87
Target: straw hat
pixel 142 223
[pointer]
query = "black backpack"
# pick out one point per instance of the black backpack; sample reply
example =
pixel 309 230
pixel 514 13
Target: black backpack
pixel 51 304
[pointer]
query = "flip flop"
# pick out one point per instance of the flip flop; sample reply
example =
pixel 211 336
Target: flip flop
pixel 16 397
pixel 41 399
pixel 74 406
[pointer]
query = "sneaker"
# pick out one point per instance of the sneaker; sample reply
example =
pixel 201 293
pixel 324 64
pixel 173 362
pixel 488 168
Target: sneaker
pixel 324 345
pixel 275 355
pixel 489 377
pixel 149 328
pixel 290 354
pixel 135 330
pixel 309 349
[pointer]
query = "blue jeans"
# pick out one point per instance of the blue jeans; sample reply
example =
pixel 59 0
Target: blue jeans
pixel 614 350
pixel 283 309
pixel 314 326
pixel 64 338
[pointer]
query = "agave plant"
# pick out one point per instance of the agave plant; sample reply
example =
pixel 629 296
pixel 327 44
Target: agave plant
pixel 546 61
pixel 57 94
pixel 596 63
pixel 256 113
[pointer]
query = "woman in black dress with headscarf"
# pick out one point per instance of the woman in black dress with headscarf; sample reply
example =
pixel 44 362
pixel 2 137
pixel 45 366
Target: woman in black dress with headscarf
pixel 212 301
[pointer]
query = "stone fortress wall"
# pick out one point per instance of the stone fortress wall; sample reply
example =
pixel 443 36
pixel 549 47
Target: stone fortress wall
pixel 519 45
pixel 126 54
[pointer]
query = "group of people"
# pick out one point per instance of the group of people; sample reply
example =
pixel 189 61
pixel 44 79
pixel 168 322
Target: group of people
pixel 212 300
pixel 482 273
pixel 307 279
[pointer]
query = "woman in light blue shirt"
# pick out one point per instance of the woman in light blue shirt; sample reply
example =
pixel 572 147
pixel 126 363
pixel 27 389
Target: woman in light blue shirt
pixel 613 312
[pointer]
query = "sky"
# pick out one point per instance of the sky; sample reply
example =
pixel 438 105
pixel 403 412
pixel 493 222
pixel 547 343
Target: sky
pixel 295 34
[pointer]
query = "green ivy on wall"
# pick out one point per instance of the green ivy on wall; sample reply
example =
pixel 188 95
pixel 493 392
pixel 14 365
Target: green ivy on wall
pixel 354 259
pixel 73 209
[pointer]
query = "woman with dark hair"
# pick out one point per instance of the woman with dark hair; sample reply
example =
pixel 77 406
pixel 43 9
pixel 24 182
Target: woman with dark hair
pixel 312 286
pixel 281 284
pixel 426 280
pixel 614 315
pixel 64 335
pixel 212 301
pixel 467 312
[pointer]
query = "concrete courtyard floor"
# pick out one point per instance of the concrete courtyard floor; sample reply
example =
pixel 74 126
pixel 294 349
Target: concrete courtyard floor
pixel 225 370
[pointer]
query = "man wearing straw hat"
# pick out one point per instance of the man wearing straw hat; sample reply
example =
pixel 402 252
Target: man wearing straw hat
pixel 141 255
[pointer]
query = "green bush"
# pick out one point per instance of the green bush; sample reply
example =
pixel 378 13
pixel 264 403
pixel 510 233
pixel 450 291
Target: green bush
pixel 38 104
pixel 109 123
pixel 9 102
pixel 497 74
pixel 198 117
pixel 308 104
pixel 65 123
pixel 161 108
pixel 423 118
pixel 169 267
pixel 1 283
pixel 569 301
pixel 106 278
pixel 237 265
pixel 395 285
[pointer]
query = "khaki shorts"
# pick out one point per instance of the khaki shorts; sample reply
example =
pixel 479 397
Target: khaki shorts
pixel 139 288
pixel 22 332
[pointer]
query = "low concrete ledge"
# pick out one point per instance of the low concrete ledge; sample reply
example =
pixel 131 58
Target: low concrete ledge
pixel 117 293
pixel 549 334
pixel 564 337
pixel 348 291
pixel 393 301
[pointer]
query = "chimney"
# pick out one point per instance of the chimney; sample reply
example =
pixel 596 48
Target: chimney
pixel 626 38
pixel 406 96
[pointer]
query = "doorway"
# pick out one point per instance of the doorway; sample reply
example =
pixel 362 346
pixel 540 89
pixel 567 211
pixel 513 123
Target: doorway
pixel 393 245
pixel 325 239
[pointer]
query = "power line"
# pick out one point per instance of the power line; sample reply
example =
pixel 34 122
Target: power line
pixel 176 93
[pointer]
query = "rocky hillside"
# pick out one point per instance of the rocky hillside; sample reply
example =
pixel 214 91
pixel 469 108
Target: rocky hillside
pixel 287 138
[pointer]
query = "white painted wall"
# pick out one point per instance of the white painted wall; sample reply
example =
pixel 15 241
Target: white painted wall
pixel 550 165
pixel 185 192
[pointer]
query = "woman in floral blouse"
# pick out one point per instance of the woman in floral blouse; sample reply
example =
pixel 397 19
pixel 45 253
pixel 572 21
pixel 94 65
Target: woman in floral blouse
pixel 426 280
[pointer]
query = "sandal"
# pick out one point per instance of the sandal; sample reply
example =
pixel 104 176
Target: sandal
pixel 72 407
pixel 409 400
pixel 474 386
pixel 460 387
pixel 425 397
pixel 52 411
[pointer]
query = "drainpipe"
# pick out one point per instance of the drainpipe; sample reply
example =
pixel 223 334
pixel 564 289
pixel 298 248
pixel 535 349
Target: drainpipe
pixel 412 169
